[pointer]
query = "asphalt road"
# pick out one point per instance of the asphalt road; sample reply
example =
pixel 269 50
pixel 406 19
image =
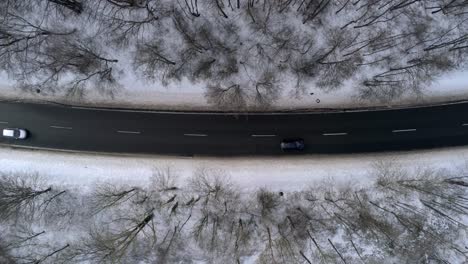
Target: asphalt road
pixel 124 131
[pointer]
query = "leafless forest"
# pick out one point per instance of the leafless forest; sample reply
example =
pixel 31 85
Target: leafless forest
pixel 246 52
pixel 401 217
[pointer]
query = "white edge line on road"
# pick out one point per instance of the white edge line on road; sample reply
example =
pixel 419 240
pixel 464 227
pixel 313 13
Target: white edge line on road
pixel 335 134
pixel 465 124
pixel 259 135
pixel 305 112
pixel 196 135
pixel 128 132
pixel 61 127
pixel 3 122
pixel 117 154
pixel 403 130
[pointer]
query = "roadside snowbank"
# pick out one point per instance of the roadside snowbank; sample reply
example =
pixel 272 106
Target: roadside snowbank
pixel 188 96
pixel 285 173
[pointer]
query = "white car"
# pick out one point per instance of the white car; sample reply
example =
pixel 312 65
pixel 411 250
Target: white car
pixel 16 133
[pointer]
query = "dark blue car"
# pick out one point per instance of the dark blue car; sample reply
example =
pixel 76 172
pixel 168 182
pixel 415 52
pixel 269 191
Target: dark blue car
pixel 292 144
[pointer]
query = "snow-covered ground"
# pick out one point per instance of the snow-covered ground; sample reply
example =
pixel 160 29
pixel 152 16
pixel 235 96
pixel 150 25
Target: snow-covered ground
pixel 276 173
pixel 264 197
pixel 255 57
pixel 189 96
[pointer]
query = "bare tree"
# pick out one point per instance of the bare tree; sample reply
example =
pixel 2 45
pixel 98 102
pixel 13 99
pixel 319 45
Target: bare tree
pixel 436 193
pixel 42 59
pixel 70 56
pixel 18 35
pixel 110 245
pixel 62 209
pixel 44 8
pixel 165 179
pixel 46 257
pixel 151 60
pixel 22 235
pixel 73 5
pixel 106 195
pixel 27 246
pixel 123 21
pixel 21 195
pixel 395 82
pixel 218 206
pixel 267 90
pixel 268 201
pixel 231 97
pixel 4 254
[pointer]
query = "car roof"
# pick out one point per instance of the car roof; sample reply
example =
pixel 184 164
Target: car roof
pixel 8 132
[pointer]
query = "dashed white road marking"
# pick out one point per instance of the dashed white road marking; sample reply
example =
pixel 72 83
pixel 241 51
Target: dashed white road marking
pixel 128 132
pixel 465 124
pixel 3 122
pixel 196 135
pixel 404 130
pixel 335 134
pixel 260 135
pixel 61 127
